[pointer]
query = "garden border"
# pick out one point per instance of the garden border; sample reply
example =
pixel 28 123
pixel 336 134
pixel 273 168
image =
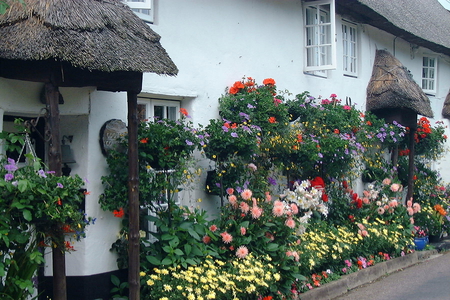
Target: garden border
pixel 341 286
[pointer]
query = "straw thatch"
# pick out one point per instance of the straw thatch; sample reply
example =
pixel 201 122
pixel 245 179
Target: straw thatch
pixel 421 22
pixel 103 35
pixel 446 108
pixel 392 87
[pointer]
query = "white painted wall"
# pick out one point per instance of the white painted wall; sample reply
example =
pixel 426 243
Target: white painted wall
pixel 213 43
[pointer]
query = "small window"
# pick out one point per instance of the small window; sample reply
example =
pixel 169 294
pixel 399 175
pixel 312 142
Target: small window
pixel 320 44
pixel 429 73
pixel 349 49
pixel 150 109
pixel 142 8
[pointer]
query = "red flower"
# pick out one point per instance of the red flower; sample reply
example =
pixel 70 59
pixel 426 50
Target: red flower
pixel 269 81
pixel 237 86
pixel 86 193
pixel 59 202
pixel 144 141
pixel 324 197
pixel 267 298
pixel 68 245
pixel 184 111
pixel 272 120
pixel 317 182
pixel 359 203
pixel 336 131
pixel 118 213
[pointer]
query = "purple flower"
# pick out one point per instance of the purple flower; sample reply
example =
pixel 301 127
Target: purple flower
pixel 271 181
pixel 59 185
pixel 247 117
pixel 189 143
pixel 42 173
pixel 234 134
pixel 225 129
pixel 9 176
pixel 11 167
pixel 250 106
pixel 320 155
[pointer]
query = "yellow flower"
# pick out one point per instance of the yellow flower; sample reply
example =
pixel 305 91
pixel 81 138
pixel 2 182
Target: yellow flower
pixel 150 282
pixel 142 274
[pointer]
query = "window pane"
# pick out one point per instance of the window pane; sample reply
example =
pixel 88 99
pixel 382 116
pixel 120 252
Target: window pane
pixel 425 62
pixel 171 113
pixel 431 62
pixel 158 112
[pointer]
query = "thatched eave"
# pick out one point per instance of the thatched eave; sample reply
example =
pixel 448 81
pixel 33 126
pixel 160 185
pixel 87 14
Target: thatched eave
pixel 446 108
pixel 102 35
pixel 421 22
pixel 391 87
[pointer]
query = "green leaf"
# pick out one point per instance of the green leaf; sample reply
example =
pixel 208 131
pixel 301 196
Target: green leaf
pixel 178 252
pixel 166 261
pixel 115 280
pixel 27 215
pixel 187 249
pixel 153 260
pixel 194 234
pixel 191 261
pixel 185 225
pixel 167 249
pixel 270 224
pixel 299 277
pixel 22 185
pixel 272 247
pixel 167 237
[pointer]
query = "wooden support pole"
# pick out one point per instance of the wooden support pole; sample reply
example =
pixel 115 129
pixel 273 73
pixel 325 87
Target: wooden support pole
pixel 412 151
pixel 54 163
pixel 133 199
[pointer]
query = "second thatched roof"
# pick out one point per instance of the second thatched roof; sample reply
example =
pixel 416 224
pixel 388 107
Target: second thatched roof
pixel 446 108
pixel 103 35
pixel 392 87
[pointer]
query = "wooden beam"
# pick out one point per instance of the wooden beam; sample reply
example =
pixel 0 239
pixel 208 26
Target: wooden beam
pixel 54 162
pixel 133 199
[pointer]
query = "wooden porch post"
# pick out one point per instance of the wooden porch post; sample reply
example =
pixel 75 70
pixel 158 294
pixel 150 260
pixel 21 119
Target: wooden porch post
pixel 133 199
pixel 54 163
pixel 411 163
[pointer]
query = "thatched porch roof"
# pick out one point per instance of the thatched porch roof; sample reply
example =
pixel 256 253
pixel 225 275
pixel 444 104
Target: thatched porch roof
pixel 392 87
pixel 92 36
pixel 446 108
pixel 425 23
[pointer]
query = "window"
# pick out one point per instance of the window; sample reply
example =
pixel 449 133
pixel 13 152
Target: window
pixel 429 72
pixel 349 49
pixel 155 108
pixel 320 44
pixel 142 8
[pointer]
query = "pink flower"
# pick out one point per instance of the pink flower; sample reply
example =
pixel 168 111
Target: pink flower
pixel 233 200
pixel 333 96
pixel 361 226
pixel 416 207
pixel 242 252
pixel 380 210
pixel 346 107
pixel 230 191
pixel 226 237
pixel 411 220
pixel 278 210
pixel 246 194
pixel 395 187
pixel 206 239
pixel 252 167
pixel 410 211
pixel 344 270
pixel 244 207
pixel 290 223
pixel 364 233
pixel 243 230
pixel 256 212
pixel 409 203
pixel 393 203
pixel 213 228
pixel 366 200
pixel 386 181
pixel 294 208
pixel 268 197
pixel 348 263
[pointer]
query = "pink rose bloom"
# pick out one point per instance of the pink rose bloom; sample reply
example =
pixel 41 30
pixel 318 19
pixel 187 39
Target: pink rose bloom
pixel 213 228
pixel 242 252
pixel 410 211
pixel 393 203
pixel 230 191
pixel 246 194
pixel 366 200
pixel 366 193
pixel 386 207
pixel 226 237
pixel 380 210
pixel 243 230
pixel 386 181
pixel 244 207
pixel 361 226
pixel 233 200
pixel 278 210
pixel 364 233
pixel 256 212
pixel 395 187
pixel 416 207
pixel 206 239
pixel 290 223
pixel 294 208
pixel 409 203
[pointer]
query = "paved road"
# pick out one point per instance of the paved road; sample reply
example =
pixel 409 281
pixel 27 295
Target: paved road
pixel 428 280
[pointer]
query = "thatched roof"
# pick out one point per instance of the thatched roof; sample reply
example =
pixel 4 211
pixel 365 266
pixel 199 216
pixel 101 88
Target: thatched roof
pixel 392 87
pixel 103 35
pixel 422 22
pixel 446 108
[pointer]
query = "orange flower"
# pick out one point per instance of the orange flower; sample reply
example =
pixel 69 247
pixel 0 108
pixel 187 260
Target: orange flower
pixel 233 90
pixel 369 123
pixel 272 120
pixel 144 141
pixel 267 298
pixel 86 193
pixel 234 125
pixel 59 202
pixel 184 111
pixel 336 131
pixel 299 138
pixel 68 245
pixel 118 213
pixel 226 124
pixel 269 81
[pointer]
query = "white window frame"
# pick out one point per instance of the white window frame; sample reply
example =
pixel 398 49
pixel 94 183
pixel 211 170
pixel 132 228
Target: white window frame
pixel 150 104
pixel 320 46
pixel 137 6
pixel 350 48
pixel 429 74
